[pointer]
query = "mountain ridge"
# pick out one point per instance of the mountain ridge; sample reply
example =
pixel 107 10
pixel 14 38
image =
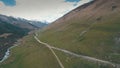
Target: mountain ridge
pixel 21 22
pixel 90 6
pixel 95 26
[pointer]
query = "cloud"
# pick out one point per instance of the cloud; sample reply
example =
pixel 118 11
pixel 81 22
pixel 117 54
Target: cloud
pixel 40 9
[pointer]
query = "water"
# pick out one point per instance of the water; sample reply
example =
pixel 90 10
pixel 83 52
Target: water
pixel 7 53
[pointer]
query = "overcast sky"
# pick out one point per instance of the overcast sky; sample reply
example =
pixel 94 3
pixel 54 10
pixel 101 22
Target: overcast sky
pixel 42 10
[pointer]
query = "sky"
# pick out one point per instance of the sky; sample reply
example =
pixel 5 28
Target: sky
pixel 41 10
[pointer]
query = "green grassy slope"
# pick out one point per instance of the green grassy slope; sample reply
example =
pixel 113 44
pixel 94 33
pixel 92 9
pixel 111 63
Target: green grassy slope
pixel 31 54
pixel 75 62
pixel 101 20
pixel 92 31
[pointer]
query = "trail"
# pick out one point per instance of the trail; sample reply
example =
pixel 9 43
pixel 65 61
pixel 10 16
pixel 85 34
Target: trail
pixel 60 63
pixel 77 55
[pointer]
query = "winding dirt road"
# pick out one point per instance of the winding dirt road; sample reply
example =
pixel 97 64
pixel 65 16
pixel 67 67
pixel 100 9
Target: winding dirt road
pixel 76 55
pixel 60 63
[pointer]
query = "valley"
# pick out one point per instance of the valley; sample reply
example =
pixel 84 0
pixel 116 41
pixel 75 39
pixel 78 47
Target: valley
pixel 12 30
pixel 86 37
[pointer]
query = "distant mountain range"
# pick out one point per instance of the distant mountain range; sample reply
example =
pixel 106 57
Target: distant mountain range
pixel 38 23
pixel 12 29
pixel 22 23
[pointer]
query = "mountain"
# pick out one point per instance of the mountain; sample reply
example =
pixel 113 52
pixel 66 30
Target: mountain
pixel 22 23
pixel 9 35
pixel 12 29
pixel 91 31
pixel 39 24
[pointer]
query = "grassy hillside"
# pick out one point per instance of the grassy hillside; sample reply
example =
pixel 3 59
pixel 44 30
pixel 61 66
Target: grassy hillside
pixel 92 29
pixel 31 54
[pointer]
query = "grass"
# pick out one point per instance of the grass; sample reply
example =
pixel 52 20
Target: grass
pixel 98 42
pixel 75 62
pixel 30 54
